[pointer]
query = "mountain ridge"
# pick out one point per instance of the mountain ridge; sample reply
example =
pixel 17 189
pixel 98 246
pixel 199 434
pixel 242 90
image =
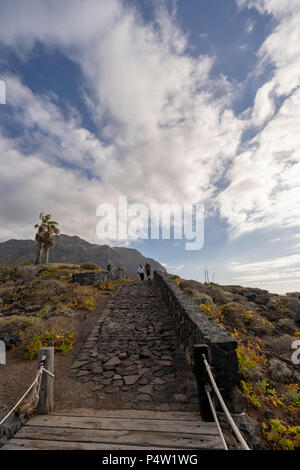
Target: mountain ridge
pixel 73 249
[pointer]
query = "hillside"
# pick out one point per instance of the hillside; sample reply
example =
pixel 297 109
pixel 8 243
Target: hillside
pixel 38 301
pixel 265 326
pixel 72 249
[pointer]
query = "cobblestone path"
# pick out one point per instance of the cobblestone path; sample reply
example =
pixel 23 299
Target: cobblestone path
pixel 133 355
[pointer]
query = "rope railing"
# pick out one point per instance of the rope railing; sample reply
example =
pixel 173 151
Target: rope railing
pixel 208 390
pixel 35 386
pixel 227 413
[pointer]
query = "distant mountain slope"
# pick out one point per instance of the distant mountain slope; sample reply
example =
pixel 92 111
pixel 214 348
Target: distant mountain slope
pixel 70 249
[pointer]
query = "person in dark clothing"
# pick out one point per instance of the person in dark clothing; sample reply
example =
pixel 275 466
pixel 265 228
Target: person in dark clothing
pixel 148 270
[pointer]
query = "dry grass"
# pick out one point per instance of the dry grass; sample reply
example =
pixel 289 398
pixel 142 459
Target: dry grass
pixel 16 323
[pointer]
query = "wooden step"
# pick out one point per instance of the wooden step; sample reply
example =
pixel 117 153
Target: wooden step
pixel 137 424
pixel 116 430
pixel 25 444
pixel 131 414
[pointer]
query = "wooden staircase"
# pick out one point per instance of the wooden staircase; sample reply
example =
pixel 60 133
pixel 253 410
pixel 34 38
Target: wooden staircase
pixel 87 429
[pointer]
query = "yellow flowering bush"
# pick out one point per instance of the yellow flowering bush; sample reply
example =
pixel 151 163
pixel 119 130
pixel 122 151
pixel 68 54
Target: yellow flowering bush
pixel 214 312
pixel 281 435
pixel 84 299
pixel 62 340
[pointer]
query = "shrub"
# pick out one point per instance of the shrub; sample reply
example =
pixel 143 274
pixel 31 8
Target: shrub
pixel 218 294
pixel 233 313
pixel 90 265
pixel 282 307
pixel 57 332
pixel 251 396
pixel 194 285
pixel 296 401
pixel 249 360
pixel 84 299
pixel 15 324
pixel 202 298
pixel 188 290
pixel 6 293
pixel 280 345
pixel 48 290
pixel 286 324
pixel 83 303
pixel 257 323
pixel 60 310
pixel 279 371
pixel 107 286
pixel 281 435
pixel 283 310
pixel 27 273
pixel 292 392
pixel 214 312
pixel 8 273
pixel 62 340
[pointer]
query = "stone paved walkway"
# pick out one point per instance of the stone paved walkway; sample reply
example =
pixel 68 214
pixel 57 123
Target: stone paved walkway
pixel 133 355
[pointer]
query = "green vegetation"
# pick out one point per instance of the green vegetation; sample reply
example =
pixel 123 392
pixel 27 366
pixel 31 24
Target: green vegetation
pixel 16 324
pixel 264 329
pixel 62 338
pixel 281 435
pixel 40 303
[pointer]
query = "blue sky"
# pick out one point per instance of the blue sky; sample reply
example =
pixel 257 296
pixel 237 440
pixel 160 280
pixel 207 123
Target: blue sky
pixel 175 101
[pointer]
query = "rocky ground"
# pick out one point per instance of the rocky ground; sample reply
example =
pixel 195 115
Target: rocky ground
pixel 18 373
pixel 33 301
pixel 133 355
pixel 265 326
pixel 126 354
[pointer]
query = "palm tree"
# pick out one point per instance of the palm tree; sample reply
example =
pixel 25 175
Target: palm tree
pixel 44 237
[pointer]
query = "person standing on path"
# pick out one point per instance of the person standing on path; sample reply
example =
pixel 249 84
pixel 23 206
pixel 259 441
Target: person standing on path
pixel 141 271
pixel 148 270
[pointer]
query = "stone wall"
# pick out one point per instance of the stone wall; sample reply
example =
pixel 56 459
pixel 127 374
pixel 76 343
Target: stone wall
pixel 90 277
pixel 195 327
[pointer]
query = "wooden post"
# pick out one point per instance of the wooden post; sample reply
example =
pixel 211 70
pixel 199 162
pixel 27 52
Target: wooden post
pixel 46 396
pixel 202 379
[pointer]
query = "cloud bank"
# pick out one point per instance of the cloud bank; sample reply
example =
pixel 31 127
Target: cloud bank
pixel 263 190
pixel 166 130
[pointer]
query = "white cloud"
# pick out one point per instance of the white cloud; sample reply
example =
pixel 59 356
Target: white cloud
pixel 249 27
pixel 169 124
pixel 172 267
pixel 274 7
pixel 264 179
pixel 62 139
pixel 280 274
pixel 243 47
pixel 171 129
pixel 264 106
pixel 30 185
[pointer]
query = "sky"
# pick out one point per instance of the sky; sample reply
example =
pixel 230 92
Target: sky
pixel 161 101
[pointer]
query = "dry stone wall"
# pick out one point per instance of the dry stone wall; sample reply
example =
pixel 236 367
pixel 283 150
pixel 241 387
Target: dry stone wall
pixel 195 327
